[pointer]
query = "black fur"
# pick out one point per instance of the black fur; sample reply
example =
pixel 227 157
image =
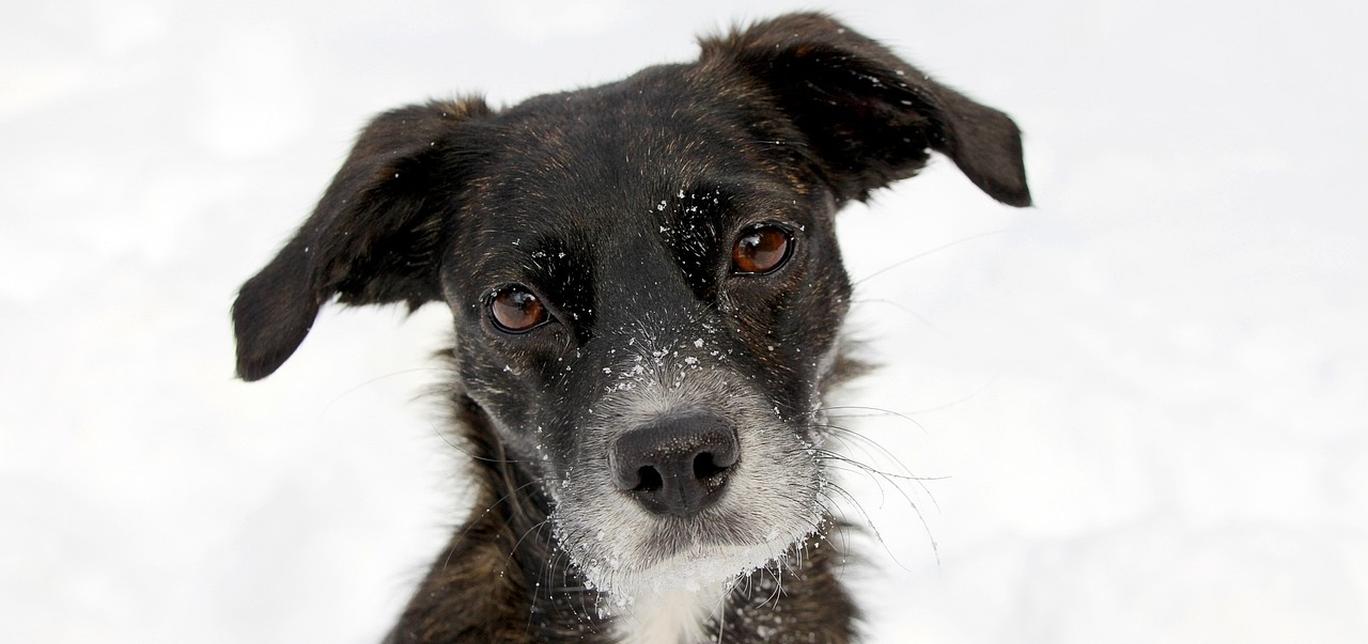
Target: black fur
pixel 618 205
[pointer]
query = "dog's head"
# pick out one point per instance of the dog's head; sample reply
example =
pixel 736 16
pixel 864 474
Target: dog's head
pixel 644 276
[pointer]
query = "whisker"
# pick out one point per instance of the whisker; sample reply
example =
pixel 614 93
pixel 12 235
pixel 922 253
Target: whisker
pixel 473 521
pixel 820 454
pixel 328 405
pixel 925 253
pixel 869 522
pixel 882 411
pixel 908 476
pixel 848 440
pixel 846 433
pixel 509 559
pixel 915 315
pixel 926 527
pixel 442 435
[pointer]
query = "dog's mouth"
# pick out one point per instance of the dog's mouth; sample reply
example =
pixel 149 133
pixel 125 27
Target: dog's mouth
pixel 701 538
pixel 683 555
pixel 770 503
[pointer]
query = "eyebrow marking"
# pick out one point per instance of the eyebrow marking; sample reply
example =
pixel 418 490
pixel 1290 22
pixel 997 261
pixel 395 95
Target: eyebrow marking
pixel 691 233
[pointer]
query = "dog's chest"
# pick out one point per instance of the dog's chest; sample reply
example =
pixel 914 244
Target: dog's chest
pixel 673 617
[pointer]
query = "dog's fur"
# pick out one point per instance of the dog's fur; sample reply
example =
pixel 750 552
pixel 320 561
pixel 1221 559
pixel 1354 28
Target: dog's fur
pixel 618 206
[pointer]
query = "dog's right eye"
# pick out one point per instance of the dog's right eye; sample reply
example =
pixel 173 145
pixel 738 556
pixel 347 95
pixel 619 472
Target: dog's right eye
pixel 514 309
pixel 762 249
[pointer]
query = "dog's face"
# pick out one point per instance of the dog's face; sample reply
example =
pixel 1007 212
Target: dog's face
pixel 639 269
pixel 644 277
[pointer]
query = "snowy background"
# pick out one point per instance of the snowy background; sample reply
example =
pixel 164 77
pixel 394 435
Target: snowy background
pixel 1149 393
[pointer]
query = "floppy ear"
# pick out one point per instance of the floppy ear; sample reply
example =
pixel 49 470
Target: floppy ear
pixel 374 237
pixel 867 116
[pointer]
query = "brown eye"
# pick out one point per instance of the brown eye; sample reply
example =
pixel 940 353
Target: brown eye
pixel 761 250
pixel 515 310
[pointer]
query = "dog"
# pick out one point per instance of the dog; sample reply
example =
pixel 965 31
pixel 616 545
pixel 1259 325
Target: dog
pixel 647 297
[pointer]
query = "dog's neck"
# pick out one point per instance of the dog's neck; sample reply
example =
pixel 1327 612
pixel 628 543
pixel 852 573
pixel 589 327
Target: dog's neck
pixel 503 578
pixel 670 617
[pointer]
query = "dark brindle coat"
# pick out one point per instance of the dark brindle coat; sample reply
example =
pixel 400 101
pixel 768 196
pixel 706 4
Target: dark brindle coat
pixel 612 217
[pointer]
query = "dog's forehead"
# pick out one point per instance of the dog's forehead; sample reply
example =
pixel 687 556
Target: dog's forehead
pixel 609 175
pixel 617 144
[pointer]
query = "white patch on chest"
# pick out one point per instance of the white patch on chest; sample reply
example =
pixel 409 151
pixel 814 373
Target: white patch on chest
pixel 669 617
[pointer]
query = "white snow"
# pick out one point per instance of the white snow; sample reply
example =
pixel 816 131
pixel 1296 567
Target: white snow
pixel 1148 392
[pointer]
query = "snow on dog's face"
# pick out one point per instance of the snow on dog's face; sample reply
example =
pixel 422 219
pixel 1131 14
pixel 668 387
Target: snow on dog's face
pixel 644 277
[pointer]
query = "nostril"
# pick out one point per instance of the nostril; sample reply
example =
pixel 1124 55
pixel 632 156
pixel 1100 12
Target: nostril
pixel 705 467
pixel 648 479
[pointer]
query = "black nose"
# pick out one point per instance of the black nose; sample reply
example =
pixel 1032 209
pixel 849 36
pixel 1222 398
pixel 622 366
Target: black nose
pixel 676 465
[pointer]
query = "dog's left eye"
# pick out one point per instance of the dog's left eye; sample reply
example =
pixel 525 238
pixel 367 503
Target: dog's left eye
pixel 516 310
pixel 761 249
